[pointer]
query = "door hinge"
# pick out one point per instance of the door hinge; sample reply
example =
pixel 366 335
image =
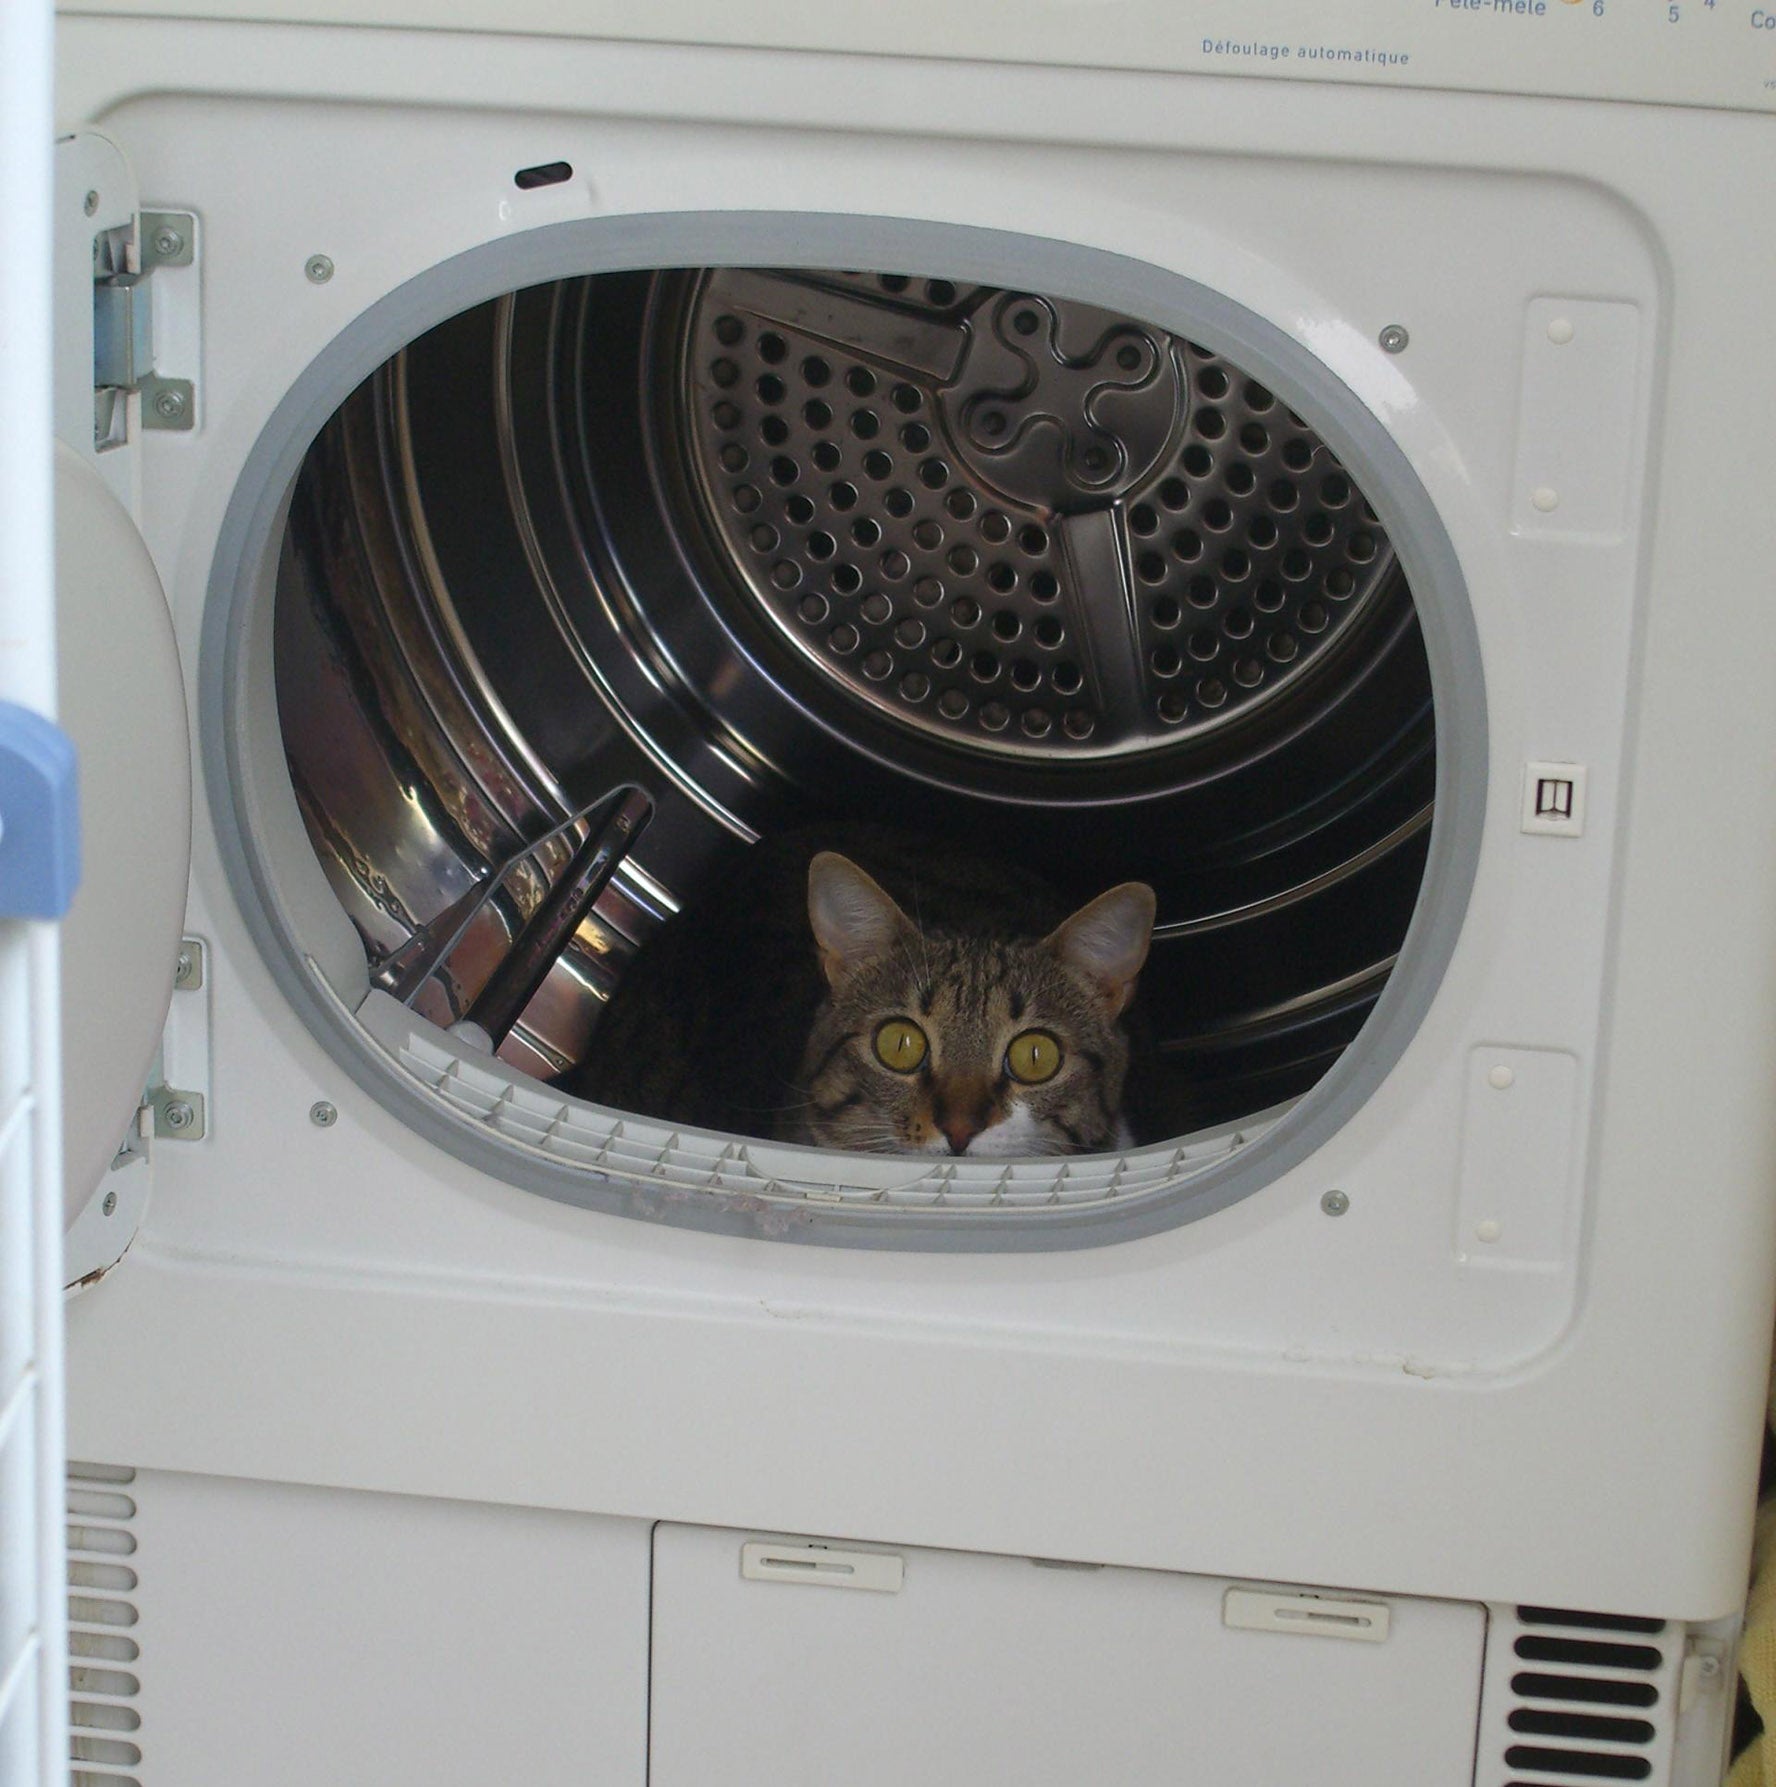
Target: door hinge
pixel 180 1112
pixel 178 1115
pixel 131 327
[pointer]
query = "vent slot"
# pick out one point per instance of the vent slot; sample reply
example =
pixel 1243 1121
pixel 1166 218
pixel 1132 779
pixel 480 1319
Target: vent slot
pixel 1586 1650
pixel 102 1713
pixel 1599 1690
pixel 1590 1765
pixel 1598 1622
pixel 1546 1724
pixel 1603 1715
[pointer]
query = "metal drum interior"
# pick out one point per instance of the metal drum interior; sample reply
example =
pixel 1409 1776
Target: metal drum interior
pixel 591 586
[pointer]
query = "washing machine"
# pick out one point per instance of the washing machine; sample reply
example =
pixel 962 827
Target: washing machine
pixel 514 460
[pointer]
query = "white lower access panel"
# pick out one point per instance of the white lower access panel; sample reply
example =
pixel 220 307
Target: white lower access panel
pixel 786 1661
pixel 226 1633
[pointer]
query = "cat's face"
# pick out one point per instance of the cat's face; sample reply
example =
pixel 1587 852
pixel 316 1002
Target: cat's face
pixel 967 1046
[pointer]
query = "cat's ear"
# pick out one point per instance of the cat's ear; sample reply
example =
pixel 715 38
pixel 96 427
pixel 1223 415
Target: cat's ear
pixel 853 920
pixel 1106 942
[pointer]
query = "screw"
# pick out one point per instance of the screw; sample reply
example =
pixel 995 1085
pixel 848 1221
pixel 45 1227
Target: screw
pixel 1708 1667
pixel 168 242
pixel 322 1115
pixel 1393 339
pixel 170 404
pixel 1335 1203
pixel 319 269
pixel 92 203
pixel 110 1204
pixel 180 1115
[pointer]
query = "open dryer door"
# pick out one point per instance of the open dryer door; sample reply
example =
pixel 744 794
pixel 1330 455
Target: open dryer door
pixel 122 701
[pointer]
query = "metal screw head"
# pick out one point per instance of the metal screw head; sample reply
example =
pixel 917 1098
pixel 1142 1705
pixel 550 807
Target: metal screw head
pixel 322 1115
pixel 188 970
pixel 110 1204
pixel 179 1115
pixel 1393 339
pixel 1335 1203
pixel 170 404
pixel 319 269
pixel 91 203
pixel 168 242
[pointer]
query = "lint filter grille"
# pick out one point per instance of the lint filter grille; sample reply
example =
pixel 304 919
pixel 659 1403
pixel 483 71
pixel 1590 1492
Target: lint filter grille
pixel 676 1164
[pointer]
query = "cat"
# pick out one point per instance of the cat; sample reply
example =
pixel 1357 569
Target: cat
pixel 800 1002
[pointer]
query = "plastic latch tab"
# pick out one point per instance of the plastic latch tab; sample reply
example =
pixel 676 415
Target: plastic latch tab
pixel 39 816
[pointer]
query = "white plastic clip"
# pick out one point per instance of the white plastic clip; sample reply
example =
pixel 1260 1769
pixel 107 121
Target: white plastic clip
pixel 1311 1616
pixel 821 1566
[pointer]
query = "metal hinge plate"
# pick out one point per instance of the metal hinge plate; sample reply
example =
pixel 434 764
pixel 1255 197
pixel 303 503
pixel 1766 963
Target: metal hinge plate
pixel 132 334
pixel 181 1112
pixel 178 1115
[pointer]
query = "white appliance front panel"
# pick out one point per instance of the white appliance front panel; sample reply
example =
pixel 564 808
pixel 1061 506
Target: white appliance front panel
pixel 974 1669
pixel 1244 1394
pixel 1685 52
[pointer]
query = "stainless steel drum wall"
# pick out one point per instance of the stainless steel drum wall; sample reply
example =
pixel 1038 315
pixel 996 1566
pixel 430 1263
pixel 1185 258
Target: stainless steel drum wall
pixel 785 548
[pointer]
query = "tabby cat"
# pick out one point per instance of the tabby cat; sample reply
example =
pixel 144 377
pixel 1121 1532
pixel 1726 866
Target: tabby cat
pixel 801 1002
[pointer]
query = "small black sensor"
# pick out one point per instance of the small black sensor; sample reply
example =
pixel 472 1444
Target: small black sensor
pixel 551 173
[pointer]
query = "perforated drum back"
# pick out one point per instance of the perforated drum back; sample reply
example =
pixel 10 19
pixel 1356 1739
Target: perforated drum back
pixel 1016 522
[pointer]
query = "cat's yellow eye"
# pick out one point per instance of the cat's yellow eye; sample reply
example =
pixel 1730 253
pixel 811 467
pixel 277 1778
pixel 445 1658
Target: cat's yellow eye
pixel 900 1044
pixel 1033 1057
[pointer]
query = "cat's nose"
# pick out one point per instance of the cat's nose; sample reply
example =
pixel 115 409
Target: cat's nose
pixel 961 1108
pixel 959 1132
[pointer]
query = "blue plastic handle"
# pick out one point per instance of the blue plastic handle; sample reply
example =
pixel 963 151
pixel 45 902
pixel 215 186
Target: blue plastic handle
pixel 39 816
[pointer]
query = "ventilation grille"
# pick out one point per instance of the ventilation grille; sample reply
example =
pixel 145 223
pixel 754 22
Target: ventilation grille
pixel 669 1163
pixel 1577 1699
pixel 102 1651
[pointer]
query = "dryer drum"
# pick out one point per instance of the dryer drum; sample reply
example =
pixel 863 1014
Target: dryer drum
pixel 747 549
